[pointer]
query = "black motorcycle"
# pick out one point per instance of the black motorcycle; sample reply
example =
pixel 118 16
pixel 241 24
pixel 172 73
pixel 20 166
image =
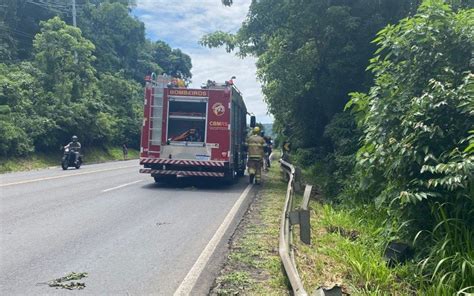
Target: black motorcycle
pixel 69 159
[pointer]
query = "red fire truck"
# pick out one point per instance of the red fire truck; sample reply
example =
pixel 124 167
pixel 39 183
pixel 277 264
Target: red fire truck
pixel 193 132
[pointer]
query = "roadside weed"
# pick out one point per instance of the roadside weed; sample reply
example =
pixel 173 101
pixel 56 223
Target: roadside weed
pixel 347 250
pixel 448 269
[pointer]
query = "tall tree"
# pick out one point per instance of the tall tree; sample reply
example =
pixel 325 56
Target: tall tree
pixel 19 22
pixel 310 55
pixel 65 59
pixel 117 35
pixel 19 121
pixel 173 61
pixel 54 82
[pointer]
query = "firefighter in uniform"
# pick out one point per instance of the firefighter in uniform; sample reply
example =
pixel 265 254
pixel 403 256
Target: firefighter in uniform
pixel 255 144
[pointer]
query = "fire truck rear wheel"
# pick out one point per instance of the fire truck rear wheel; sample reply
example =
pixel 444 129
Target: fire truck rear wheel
pixel 230 177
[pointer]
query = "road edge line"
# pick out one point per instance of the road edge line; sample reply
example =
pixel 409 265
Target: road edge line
pixel 191 278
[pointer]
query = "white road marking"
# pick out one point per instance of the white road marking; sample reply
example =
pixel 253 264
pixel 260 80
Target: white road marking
pixel 65 176
pixel 189 281
pixel 120 186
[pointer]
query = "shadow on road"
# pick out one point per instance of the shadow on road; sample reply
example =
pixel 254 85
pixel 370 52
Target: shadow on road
pixel 196 183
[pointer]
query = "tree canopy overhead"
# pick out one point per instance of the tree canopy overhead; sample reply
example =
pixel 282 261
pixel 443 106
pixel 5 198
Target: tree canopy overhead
pixel 58 80
pixel 310 55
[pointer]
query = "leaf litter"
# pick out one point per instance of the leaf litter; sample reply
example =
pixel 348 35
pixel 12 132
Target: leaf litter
pixel 69 281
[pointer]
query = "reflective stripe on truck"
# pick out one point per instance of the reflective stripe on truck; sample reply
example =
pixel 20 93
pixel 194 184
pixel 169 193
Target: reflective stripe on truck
pixel 182 162
pixel 181 173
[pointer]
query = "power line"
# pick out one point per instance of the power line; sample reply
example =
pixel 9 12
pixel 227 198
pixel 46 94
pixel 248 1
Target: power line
pixel 55 7
pixel 46 7
pixel 15 31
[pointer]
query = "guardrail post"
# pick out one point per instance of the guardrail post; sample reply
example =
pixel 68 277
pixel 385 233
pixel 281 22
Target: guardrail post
pixel 305 222
pixel 284 176
pixel 305 227
pixel 298 179
pixel 306 196
pixel 301 217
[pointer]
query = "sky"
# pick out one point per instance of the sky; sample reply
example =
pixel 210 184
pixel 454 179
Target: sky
pixel 181 24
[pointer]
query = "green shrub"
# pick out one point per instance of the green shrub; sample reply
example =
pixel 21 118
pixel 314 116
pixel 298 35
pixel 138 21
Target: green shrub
pixel 417 157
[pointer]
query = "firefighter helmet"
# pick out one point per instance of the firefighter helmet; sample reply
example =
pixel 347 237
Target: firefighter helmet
pixel 256 130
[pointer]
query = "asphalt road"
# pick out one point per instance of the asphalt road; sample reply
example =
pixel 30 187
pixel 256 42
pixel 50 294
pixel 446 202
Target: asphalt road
pixel 132 236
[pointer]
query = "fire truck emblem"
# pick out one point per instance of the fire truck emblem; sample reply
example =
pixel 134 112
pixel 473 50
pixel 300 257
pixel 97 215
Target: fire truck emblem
pixel 218 109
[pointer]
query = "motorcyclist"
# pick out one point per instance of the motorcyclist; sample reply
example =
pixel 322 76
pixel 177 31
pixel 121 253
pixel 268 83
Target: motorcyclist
pixel 75 147
pixel 255 144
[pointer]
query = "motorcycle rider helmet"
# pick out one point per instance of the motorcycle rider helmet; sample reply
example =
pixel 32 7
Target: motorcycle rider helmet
pixel 74 138
pixel 256 130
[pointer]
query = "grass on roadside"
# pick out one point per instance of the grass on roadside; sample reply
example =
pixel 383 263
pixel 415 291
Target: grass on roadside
pixel 253 266
pixel 97 155
pixel 347 250
pixel 43 160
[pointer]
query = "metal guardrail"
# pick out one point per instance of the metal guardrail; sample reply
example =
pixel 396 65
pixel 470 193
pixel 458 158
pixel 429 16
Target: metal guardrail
pixel 290 217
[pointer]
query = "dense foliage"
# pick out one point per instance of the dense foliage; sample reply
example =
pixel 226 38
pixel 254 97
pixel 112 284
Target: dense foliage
pixel 417 156
pixel 57 80
pixel 310 55
pixel 413 112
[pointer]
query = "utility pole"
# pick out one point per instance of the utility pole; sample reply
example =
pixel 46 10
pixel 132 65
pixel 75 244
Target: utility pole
pixel 74 13
pixel 74 24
